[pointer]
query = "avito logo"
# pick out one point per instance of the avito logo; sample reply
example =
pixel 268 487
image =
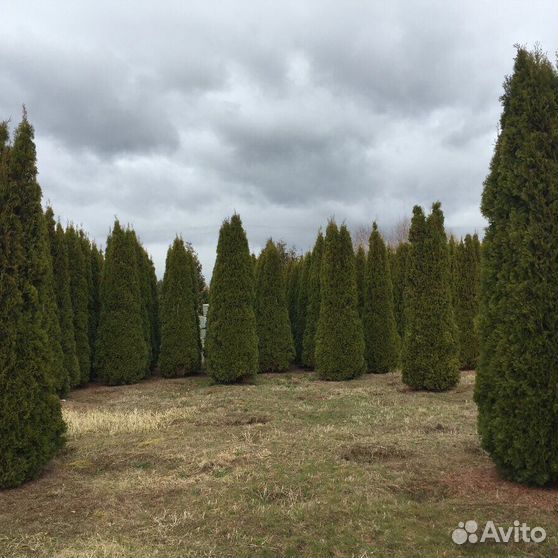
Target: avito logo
pixel 520 532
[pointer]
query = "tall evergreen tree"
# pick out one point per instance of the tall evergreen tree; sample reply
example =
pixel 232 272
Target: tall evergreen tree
pixel 380 330
pixel 154 318
pixel 466 299
pixel 79 293
pixel 86 249
pixel 453 247
pixel 398 274
pixel 51 317
pixel 31 425
pixel 313 306
pixel 340 340
pixel 360 271
pixel 517 374
pixel 275 341
pixel 231 342
pixel 70 375
pixel 180 347
pixel 95 297
pixel 292 285
pixel 302 304
pixel 144 276
pixel 122 351
pixel 429 358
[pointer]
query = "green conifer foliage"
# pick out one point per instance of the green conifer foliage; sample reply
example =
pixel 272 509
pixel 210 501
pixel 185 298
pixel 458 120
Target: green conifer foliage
pixel 86 249
pixel 313 306
pixel 232 343
pixel 154 318
pixel 430 354
pixel 70 375
pixel 340 340
pixel 31 425
pixel 466 300
pixel 398 275
pixel 95 298
pixel 293 280
pixel 302 305
pixel 453 247
pixel 380 330
pixel 52 322
pixel 180 346
pixel 122 351
pixel 518 319
pixel 360 270
pixel 275 341
pixel 144 276
pixel 79 293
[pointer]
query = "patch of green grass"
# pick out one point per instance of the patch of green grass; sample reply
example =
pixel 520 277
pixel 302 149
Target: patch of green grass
pixel 287 465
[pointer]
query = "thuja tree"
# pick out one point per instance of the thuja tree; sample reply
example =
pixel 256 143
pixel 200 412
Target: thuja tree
pixel 430 354
pixel 360 271
pixel 380 330
pixel 31 425
pixel 292 284
pixel 198 292
pixel 398 267
pixel 231 343
pixel 517 374
pixel 70 371
pixel 122 351
pixel 79 292
pixel 86 250
pixel 313 304
pixel 154 316
pixel 96 257
pixel 466 299
pixel 275 341
pixel 143 267
pixel 339 341
pixel 180 348
pixel 302 304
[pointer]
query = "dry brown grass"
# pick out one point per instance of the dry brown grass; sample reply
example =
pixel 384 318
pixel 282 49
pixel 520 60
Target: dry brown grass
pixel 289 466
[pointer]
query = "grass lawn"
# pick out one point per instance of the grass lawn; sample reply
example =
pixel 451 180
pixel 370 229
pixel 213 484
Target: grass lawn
pixel 287 466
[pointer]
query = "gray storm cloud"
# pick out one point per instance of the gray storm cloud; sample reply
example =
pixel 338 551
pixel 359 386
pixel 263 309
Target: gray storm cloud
pixel 173 115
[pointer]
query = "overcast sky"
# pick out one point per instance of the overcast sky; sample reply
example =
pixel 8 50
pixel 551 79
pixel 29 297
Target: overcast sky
pixel 172 115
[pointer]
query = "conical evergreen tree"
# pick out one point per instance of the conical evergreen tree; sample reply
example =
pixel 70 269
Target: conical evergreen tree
pixel 302 305
pixel 360 270
pixel 466 300
pixel 154 319
pixel 340 340
pixel 453 247
pixel 232 343
pixel 518 322
pixel 313 306
pixel 52 321
pixel 398 274
pixel 79 293
pixel 70 375
pixel 429 358
pixel 180 347
pixel 275 342
pixel 144 277
pixel 122 352
pixel 86 250
pixel 198 289
pixel 380 330
pixel 95 297
pixel 293 281
pixel 31 425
